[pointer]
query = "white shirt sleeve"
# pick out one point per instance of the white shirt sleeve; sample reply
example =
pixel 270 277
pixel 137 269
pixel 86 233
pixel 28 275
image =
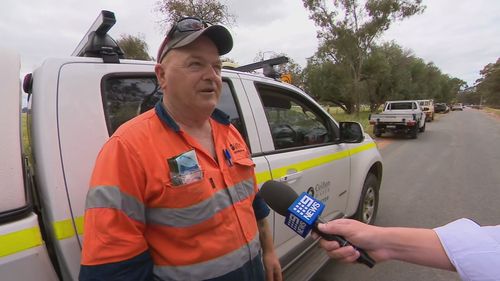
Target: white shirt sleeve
pixel 472 249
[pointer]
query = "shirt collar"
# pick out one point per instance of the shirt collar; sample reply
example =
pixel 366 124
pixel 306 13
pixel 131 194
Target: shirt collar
pixel 218 115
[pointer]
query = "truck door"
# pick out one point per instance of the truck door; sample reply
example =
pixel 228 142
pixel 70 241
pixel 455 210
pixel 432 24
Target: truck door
pixel 23 255
pixel 298 141
pixel 235 102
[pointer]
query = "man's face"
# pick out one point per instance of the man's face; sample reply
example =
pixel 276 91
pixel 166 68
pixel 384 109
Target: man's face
pixel 190 77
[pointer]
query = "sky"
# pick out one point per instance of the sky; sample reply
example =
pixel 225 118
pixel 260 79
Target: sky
pixel 459 36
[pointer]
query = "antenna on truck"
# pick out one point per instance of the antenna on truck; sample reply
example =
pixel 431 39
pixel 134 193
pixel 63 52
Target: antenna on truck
pixel 98 43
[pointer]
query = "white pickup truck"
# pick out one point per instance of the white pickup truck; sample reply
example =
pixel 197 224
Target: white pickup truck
pixel 77 102
pixel 427 107
pixel 400 117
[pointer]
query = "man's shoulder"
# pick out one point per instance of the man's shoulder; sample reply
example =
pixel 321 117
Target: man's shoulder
pixel 139 132
pixel 137 125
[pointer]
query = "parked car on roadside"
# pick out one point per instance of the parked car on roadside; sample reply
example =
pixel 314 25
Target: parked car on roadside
pixel 457 106
pixel 441 108
pixel 427 106
pixel 399 117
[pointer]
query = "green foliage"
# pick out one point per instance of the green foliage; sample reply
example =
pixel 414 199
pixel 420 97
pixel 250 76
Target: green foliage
pixel 329 83
pixel 134 47
pixel 348 29
pixel 209 10
pixel 388 73
pixel 339 115
pixel 488 85
pixel 24 134
pixel 468 97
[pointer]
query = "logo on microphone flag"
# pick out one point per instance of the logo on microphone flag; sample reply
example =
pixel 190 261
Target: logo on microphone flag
pixel 303 213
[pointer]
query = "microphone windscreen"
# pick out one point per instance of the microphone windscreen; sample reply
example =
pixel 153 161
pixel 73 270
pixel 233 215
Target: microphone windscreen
pixel 278 196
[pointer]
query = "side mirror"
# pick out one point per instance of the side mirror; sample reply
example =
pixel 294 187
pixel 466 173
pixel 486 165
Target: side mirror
pixel 351 132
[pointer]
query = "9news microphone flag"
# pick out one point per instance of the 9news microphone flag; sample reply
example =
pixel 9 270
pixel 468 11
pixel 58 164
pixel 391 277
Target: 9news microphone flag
pixel 302 214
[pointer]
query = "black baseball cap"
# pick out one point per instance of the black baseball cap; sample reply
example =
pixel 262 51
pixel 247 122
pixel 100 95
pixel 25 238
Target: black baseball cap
pixel 188 29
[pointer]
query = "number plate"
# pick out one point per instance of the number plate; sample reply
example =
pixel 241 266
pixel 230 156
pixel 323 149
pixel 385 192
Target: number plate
pixel 391 126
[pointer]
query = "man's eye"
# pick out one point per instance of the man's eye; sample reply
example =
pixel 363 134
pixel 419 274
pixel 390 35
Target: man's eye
pixel 195 64
pixel 217 68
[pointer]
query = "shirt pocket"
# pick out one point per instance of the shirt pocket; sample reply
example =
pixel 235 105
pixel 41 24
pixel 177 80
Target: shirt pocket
pixel 243 169
pixel 177 195
pixel 244 162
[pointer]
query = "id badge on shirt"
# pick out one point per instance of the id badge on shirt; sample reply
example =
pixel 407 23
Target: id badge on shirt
pixel 184 168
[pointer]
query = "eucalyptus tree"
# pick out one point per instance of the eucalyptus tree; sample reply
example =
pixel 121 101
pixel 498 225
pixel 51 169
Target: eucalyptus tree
pixel 348 30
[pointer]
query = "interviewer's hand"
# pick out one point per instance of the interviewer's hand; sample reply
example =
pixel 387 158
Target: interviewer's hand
pixel 357 233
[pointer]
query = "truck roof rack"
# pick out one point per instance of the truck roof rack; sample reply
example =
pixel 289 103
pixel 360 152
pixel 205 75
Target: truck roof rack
pixel 98 43
pixel 266 65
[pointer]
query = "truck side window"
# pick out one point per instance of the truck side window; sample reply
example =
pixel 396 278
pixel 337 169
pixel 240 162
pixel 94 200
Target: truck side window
pixel 227 103
pixel 125 97
pixel 293 121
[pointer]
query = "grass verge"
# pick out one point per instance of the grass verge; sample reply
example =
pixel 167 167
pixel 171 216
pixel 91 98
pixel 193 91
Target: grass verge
pixel 493 111
pixel 339 115
pixel 24 134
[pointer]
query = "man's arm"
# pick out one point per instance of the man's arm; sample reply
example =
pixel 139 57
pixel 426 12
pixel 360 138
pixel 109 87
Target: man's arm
pixel 271 261
pixel 138 268
pixel 114 247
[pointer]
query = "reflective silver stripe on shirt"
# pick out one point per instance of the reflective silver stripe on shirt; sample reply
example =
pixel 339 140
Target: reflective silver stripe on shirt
pixel 112 197
pixel 195 214
pixel 212 268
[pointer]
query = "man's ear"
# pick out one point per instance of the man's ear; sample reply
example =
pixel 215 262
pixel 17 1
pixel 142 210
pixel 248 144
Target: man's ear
pixel 160 74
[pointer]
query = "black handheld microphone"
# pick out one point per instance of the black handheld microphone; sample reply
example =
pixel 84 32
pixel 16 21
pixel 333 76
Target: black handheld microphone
pixel 302 214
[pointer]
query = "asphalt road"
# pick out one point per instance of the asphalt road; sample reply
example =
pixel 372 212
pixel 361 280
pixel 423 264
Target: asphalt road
pixel 451 171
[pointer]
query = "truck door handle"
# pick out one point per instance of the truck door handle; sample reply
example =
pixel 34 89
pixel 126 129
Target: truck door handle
pixel 292 177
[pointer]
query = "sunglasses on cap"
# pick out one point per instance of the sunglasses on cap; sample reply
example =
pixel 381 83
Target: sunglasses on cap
pixel 175 34
pixel 187 24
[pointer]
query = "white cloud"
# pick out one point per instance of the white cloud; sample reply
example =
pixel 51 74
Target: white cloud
pixel 259 12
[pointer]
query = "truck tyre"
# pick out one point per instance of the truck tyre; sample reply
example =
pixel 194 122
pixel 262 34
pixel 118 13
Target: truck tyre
pixel 414 132
pixel 423 128
pixel 368 201
pixel 376 132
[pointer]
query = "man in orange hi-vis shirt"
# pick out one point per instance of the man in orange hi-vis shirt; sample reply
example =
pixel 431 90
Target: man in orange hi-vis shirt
pixel 173 192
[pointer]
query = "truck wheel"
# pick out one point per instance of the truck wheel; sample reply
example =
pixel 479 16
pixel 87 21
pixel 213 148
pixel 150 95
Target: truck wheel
pixel 377 132
pixel 422 129
pixel 414 132
pixel 368 202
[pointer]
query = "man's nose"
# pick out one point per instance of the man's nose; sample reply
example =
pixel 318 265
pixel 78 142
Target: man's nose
pixel 211 73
